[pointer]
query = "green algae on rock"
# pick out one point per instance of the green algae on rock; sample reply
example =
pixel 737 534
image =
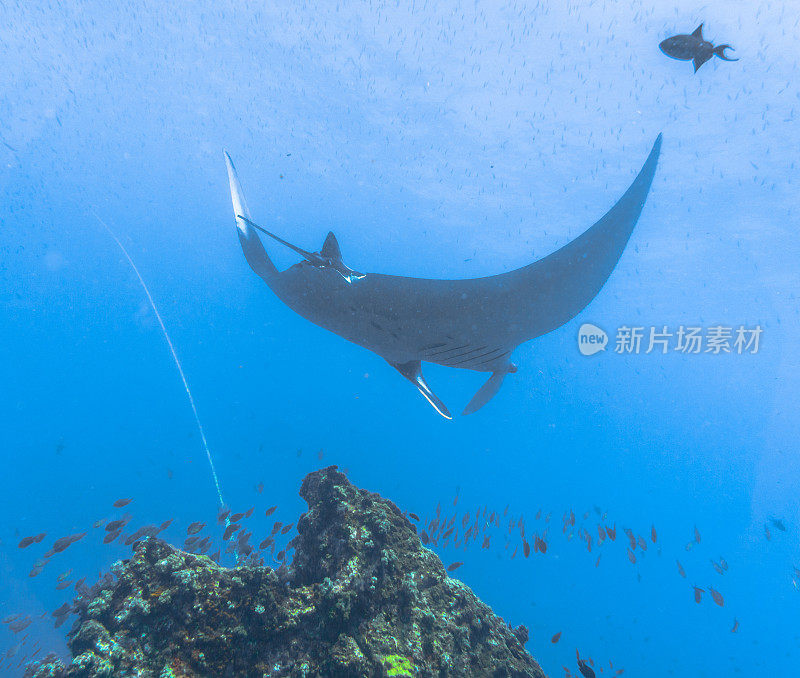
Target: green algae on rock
pixel 361 598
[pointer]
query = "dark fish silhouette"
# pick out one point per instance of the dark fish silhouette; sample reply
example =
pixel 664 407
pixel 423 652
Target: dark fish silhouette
pixel 467 324
pixel 693 48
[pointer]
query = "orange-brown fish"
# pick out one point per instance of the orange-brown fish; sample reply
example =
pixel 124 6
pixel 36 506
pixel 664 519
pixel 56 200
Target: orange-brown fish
pixel 25 542
pixel 123 502
pixel 115 525
pixel 681 571
pixel 271 510
pixel 65 542
pixel 275 527
pixel 611 532
pixel 61 611
pixel 266 543
pixel 642 543
pixel 454 566
pixel 698 594
pixel 526 547
pixel 556 638
pixel 717 597
pixel 229 531
pixel 111 536
pixel 632 556
pixel 236 517
pixel 194 528
pixel 63 584
pixel 414 517
pixel 286 528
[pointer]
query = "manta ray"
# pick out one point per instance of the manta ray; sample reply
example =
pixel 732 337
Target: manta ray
pixel 472 324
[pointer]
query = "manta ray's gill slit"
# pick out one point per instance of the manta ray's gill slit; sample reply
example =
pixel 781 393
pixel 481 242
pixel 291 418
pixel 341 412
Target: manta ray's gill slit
pixel 451 358
pixel 496 357
pixel 449 350
pixel 172 351
pixel 483 355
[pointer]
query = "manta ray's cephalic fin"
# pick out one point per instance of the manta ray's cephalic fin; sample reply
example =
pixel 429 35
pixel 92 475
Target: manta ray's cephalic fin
pixel 488 390
pixel 412 370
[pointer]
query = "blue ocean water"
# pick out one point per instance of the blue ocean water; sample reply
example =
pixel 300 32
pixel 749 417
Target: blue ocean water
pixel 443 140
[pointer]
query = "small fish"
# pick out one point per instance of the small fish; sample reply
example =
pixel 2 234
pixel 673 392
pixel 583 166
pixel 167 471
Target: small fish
pixel 64 575
pixel 696 535
pixel 229 531
pixel 724 564
pixel 63 584
pixel 526 547
pixel 61 611
pixel 681 571
pixel 236 517
pixel 597 562
pixel 111 536
pixel 698 594
pixel 424 538
pixel 25 542
pixel 275 527
pixel 718 567
pixel 717 596
pixel 266 543
pixel 414 517
pixel 194 528
pixel 735 625
pixel 778 524
pixel 260 488
pixel 653 535
pixel 98 523
pixel 223 513
pixel 286 528
pixel 122 502
pixel 249 512
pixel 454 566
pixel 642 543
pixel 556 638
pixel 271 510
pixel 693 48
pixel 632 556
pixel 165 524
pixel 65 542
pixel 767 533
pixel 585 669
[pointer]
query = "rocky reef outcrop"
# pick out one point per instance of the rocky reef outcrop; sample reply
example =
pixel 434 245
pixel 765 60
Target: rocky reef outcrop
pixel 361 598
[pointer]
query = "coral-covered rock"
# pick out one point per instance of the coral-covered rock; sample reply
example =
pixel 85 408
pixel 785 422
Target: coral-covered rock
pixel 361 598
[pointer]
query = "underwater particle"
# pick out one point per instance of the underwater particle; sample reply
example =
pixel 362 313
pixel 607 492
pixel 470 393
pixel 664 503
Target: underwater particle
pixel 122 502
pixel 556 637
